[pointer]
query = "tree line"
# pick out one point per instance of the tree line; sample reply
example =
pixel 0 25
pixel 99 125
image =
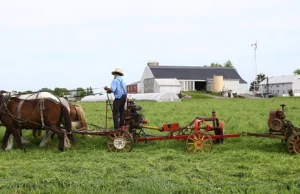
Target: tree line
pixel 63 92
pixel 227 64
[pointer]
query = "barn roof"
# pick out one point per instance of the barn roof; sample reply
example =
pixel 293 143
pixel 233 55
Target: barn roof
pixel 281 79
pixel 194 72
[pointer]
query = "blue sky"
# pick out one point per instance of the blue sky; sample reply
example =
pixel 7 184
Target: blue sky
pixel 72 43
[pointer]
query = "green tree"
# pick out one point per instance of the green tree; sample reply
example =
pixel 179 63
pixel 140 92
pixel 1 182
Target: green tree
pixel 297 72
pixel 259 78
pixel 61 92
pixel 57 92
pixel 216 65
pixel 91 92
pixel 65 91
pixel 252 86
pixel 291 93
pixel 80 92
pixel 228 64
pixel 46 90
pixel 26 92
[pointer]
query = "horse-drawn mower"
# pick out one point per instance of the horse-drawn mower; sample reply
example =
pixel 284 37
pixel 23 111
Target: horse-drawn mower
pixel 283 129
pixel 196 133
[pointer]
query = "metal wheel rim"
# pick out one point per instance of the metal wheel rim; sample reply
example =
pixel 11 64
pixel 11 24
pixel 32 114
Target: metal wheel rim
pixel 119 141
pixel 293 144
pixel 199 142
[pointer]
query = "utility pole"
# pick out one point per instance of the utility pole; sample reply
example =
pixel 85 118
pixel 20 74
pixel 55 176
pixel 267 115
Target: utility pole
pixel 255 65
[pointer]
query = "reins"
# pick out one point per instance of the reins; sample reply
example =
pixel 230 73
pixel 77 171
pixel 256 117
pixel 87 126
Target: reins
pixel 19 120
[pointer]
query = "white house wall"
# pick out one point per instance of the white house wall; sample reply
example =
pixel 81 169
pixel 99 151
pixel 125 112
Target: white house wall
pixel 243 88
pixel 147 74
pixel 296 86
pixel 277 89
pixel 233 85
pixel 139 87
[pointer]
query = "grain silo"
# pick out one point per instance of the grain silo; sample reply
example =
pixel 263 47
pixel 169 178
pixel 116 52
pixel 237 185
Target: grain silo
pixel 218 83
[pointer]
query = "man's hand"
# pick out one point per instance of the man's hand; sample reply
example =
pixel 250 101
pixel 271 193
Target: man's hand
pixel 107 89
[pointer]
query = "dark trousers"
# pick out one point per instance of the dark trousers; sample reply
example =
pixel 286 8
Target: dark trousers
pixel 118 112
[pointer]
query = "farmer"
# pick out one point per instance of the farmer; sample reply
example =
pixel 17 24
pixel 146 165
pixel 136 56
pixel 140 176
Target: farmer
pixel 118 87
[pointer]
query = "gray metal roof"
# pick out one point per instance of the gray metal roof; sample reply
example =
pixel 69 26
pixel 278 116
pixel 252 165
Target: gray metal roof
pixel 281 79
pixel 194 72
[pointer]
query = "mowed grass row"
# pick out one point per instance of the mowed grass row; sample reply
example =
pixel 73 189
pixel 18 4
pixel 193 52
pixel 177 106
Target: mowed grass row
pixel 240 165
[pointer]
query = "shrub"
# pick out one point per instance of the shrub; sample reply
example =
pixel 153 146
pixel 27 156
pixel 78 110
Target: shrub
pixel 291 93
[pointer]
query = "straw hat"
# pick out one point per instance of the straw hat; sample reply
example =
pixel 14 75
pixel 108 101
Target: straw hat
pixel 118 71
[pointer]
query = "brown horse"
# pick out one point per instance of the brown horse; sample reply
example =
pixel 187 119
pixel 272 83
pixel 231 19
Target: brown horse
pixel 78 121
pixel 77 117
pixel 16 114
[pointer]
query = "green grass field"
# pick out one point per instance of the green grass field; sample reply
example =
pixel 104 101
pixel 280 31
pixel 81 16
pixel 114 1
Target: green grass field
pixel 240 165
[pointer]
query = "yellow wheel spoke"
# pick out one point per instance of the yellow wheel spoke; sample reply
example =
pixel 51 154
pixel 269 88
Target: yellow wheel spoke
pixel 191 139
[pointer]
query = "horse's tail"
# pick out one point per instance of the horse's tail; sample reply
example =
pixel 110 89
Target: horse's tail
pixel 65 116
pixel 81 116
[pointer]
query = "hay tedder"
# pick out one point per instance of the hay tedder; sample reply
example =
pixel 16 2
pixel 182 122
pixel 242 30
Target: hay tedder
pixel 196 133
pixel 283 129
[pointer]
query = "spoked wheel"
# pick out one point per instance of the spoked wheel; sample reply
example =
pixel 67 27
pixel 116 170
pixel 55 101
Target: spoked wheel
pixel 293 144
pixel 199 142
pixel 119 141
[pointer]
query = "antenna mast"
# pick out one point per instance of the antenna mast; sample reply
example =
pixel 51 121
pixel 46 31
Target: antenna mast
pixel 255 66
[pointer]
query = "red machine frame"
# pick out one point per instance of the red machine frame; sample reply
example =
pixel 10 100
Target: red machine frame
pixel 195 133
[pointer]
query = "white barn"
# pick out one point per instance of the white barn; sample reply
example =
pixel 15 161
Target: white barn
pixel 279 85
pixel 189 78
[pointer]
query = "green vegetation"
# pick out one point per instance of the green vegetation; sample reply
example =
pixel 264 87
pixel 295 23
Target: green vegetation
pixel 240 165
pixel 198 95
pixel 297 72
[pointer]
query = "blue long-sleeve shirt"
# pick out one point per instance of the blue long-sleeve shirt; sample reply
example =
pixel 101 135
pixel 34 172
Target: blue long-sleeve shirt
pixel 118 87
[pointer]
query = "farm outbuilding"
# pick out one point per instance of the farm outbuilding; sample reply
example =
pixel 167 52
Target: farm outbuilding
pixel 157 97
pixel 191 78
pixel 132 88
pixel 279 85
